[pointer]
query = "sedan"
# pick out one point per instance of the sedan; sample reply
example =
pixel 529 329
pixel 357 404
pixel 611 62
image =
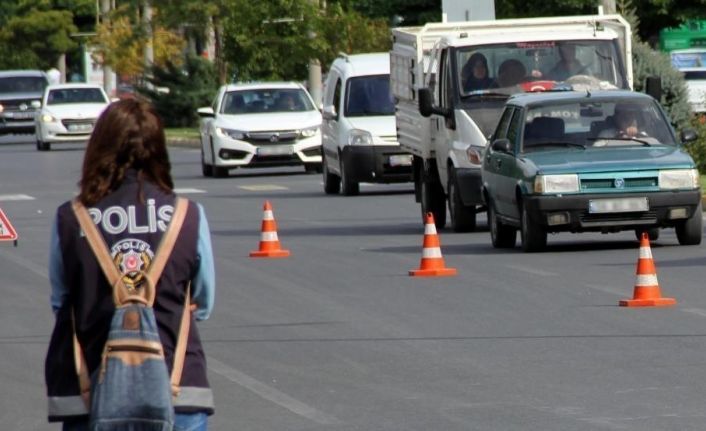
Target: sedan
pixel 68 114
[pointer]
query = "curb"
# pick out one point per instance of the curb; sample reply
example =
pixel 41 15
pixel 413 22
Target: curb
pixel 183 142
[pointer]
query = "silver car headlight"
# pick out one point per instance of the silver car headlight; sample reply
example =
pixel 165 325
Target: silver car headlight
pixel 678 179
pixel 360 137
pixel 48 118
pixel 230 133
pixel 309 132
pixel 565 183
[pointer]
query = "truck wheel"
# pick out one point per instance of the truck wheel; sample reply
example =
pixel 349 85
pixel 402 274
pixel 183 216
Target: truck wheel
pixel 689 231
pixel 652 233
pixel 534 236
pixel 433 201
pixel 350 187
pixel 332 183
pixel 463 218
pixel 43 146
pixel 501 235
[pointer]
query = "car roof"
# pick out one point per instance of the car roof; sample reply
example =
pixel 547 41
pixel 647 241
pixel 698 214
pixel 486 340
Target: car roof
pixel 9 73
pixel 540 98
pixel 374 63
pixel 263 85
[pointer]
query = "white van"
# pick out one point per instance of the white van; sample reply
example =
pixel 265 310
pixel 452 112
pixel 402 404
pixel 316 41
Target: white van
pixel 358 129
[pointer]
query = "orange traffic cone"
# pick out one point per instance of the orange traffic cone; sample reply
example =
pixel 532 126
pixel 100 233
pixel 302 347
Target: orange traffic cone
pixel 647 293
pixel 269 243
pixel 432 263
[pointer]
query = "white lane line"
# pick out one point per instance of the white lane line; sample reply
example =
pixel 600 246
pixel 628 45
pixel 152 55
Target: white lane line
pixel 188 190
pixel 269 393
pixel 698 311
pixel 16 198
pixel 534 271
pixel 263 187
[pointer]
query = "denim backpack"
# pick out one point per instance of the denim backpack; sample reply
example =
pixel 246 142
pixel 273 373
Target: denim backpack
pixel 132 389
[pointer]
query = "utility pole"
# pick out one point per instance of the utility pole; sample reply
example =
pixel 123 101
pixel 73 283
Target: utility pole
pixel 108 84
pixel 147 26
pixel 609 7
pixel 315 72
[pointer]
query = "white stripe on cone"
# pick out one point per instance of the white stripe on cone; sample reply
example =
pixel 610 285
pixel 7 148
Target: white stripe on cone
pixel 429 229
pixel 432 252
pixel 645 253
pixel 646 280
pixel 267 215
pixel 269 236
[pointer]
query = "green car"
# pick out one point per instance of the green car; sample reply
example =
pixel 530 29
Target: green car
pixel 603 161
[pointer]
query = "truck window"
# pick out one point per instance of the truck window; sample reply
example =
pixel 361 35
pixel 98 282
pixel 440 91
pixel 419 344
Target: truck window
pixel 445 89
pixel 529 66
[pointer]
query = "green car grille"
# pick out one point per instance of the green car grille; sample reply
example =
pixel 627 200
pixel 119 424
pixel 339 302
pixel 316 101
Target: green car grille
pixel 611 183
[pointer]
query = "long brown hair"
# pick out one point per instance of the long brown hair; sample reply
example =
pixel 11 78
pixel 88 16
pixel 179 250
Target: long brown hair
pixel 128 134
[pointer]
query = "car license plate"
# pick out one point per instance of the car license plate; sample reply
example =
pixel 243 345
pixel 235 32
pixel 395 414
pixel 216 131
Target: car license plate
pixel 79 127
pixel 401 160
pixel 20 115
pixel 618 205
pixel 275 150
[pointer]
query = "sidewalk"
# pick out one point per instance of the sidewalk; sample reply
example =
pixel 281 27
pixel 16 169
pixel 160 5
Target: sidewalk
pixel 183 142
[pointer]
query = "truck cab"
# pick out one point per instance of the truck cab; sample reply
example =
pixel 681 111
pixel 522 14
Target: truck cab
pixel 460 107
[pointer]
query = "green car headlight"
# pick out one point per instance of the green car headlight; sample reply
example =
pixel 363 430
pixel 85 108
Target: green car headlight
pixel 678 179
pixel 566 183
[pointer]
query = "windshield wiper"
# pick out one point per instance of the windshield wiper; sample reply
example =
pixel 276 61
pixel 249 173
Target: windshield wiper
pixel 633 139
pixel 554 144
pixel 485 94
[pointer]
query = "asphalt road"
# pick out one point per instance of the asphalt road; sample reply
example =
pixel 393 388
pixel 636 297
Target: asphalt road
pixel 338 336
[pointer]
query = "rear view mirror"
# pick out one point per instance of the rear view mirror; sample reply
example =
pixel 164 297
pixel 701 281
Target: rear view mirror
pixel 688 135
pixel 329 112
pixel 426 105
pixel 653 87
pixel 501 145
pixel 205 112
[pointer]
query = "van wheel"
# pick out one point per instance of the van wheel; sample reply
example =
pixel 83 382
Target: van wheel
pixel 501 235
pixel 463 218
pixel 332 183
pixel 433 201
pixel 349 187
pixel 534 236
pixel 689 231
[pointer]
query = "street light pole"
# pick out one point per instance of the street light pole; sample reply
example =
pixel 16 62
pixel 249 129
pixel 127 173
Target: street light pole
pixel 315 73
pixel 107 70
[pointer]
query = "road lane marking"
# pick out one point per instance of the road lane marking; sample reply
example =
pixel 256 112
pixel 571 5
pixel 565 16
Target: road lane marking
pixel 16 198
pixel 534 271
pixel 698 311
pixel 269 393
pixel 263 187
pixel 188 190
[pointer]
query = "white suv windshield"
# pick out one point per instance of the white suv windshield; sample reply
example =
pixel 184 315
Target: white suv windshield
pixel 545 65
pixel 369 96
pixel 258 101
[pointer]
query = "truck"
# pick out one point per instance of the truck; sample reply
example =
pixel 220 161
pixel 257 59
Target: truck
pixel 445 123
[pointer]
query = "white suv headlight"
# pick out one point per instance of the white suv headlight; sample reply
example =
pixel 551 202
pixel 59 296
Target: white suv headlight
pixel 309 132
pixel 360 137
pixel 678 179
pixel 230 133
pixel 565 183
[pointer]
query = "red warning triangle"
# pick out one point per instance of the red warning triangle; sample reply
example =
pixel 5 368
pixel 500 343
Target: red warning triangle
pixel 7 232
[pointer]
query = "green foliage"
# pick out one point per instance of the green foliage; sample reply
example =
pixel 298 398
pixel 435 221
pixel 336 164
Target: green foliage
pixel 352 33
pixel 190 86
pixel 698 149
pixel 36 39
pixel 648 62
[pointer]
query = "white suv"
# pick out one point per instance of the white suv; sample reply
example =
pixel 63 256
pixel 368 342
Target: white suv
pixel 358 131
pixel 259 125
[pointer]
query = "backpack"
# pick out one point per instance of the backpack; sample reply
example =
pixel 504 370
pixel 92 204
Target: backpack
pixel 132 389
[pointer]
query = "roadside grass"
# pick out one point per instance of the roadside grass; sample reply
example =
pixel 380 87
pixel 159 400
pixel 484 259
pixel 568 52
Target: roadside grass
pixel 703 184
pixel 182 133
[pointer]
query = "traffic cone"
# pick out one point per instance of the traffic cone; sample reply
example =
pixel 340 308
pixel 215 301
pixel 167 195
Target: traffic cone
pixel 269 243
pixel 647 293
pixel 432 263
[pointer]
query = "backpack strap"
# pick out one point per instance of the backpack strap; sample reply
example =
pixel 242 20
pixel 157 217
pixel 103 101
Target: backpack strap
pixel 180 348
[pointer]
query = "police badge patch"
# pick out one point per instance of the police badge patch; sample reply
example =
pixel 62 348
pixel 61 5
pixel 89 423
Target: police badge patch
pixel 133 258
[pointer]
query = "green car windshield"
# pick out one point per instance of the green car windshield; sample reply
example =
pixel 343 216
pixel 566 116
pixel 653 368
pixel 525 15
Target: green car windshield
pixel 603 123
